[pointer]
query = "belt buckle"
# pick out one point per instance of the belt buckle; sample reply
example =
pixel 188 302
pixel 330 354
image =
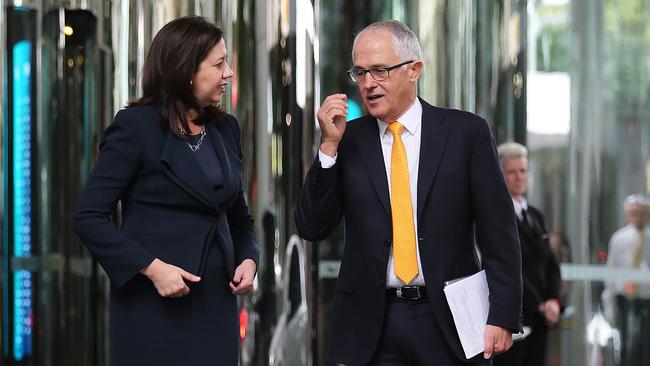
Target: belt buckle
pixel 400 294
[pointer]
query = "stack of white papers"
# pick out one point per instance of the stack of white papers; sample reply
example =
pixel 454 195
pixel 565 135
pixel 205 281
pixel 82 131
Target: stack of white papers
pixel 469 301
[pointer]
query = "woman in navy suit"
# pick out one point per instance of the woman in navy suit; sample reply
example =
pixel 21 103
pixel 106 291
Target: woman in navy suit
pixel 186 246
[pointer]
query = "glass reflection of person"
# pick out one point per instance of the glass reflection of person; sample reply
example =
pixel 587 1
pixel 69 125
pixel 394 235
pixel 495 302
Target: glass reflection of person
pixel 187 244
pixel 627 304
pixel 541 272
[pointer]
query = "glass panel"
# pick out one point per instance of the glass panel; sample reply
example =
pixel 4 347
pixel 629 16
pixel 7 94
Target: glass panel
pixel 20 234
pixel 71 124
pixel 589 135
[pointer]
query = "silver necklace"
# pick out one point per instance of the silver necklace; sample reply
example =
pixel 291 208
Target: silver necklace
pixel 196 147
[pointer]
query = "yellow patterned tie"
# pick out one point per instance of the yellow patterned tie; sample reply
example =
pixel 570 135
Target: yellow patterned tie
pixel 406 263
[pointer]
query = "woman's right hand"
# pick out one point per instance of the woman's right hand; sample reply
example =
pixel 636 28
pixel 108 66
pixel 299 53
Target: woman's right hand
pixel 168 279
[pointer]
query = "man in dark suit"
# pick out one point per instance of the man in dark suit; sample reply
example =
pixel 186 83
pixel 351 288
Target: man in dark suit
pixel 414 183
pixel 541 272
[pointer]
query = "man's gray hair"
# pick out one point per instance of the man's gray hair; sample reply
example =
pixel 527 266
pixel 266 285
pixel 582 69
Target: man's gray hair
pixel 512 150
pixel 635 199
pixel 407 45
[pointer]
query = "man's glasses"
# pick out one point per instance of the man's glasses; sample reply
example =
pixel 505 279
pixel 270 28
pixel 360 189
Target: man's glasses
pixel 378 73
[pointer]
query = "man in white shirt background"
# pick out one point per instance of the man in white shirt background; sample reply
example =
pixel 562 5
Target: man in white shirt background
pixel 627 304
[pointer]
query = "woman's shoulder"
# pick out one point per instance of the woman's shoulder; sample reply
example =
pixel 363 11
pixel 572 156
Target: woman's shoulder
pixel 229 122
pixel 229 119
pixel 139 117
pixel 148 111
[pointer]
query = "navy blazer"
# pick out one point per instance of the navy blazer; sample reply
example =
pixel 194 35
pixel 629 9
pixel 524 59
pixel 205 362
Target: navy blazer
pixel 461 196
pixel 169 209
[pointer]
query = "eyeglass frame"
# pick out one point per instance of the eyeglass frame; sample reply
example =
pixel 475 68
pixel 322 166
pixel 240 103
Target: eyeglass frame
pixel 388 69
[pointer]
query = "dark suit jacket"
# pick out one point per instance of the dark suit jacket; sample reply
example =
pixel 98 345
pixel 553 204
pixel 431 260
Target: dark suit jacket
pixel 541 272
pixel 461 192
pixel 169 211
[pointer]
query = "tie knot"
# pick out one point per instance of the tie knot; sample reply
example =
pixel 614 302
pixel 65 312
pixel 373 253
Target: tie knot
pixel 395 128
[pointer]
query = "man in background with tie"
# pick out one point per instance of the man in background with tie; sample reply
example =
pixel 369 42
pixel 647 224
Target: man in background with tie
pixel 542 282
pixel 418 186
pixel 627 304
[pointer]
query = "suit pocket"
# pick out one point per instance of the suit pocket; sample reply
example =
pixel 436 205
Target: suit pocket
pixel 345 285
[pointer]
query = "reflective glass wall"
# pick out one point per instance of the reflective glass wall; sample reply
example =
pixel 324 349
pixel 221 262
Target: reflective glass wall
pixel 19 237
pixel 589 134
pixel 54 303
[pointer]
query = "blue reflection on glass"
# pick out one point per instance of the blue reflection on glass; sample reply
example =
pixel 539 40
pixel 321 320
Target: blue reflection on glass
pixel 354 110
pixel 22 195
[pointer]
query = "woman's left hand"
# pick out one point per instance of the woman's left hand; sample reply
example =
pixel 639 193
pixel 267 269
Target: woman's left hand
pixel 242 282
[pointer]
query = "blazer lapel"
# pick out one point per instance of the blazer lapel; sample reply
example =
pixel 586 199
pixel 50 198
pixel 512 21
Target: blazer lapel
pixel 181 167
pixel 372 160
pixel 432 147
pixel 227 169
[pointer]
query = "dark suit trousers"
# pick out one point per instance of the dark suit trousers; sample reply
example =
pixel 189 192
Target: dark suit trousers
pixel 411 337
pixel 633 321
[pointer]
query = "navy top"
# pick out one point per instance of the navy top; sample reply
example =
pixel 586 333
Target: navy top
pixel 207 159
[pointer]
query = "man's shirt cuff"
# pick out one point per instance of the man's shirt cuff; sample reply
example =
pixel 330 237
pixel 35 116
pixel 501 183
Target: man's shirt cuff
pixel 326 161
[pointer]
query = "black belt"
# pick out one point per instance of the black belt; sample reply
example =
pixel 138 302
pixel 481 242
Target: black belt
pixel 408 292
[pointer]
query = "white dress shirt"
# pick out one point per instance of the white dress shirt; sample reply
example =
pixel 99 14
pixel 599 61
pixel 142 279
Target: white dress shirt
pixel 411 136
pixel 520 205
pixel 622 248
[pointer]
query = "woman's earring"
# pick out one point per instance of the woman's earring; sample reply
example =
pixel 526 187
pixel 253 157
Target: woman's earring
pixel 190 82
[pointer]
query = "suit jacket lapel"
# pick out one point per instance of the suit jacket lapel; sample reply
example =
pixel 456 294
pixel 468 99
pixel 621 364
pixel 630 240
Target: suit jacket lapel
pixel 216 137
pixel 181 167
pixel 372 160
pixel 432 147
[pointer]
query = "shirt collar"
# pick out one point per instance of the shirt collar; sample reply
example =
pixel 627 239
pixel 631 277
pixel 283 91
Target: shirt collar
pixel 411 119
pixel 520 205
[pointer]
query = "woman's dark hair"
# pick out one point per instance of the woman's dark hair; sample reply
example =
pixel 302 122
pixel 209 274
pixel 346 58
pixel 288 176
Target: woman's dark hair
pixel 174 57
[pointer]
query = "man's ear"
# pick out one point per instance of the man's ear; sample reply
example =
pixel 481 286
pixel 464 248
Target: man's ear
pixel 415 69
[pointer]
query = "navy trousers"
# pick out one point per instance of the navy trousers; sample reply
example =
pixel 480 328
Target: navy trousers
pixel 411 337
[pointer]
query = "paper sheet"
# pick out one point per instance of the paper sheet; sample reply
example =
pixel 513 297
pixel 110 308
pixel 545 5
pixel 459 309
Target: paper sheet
pixel 469 302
